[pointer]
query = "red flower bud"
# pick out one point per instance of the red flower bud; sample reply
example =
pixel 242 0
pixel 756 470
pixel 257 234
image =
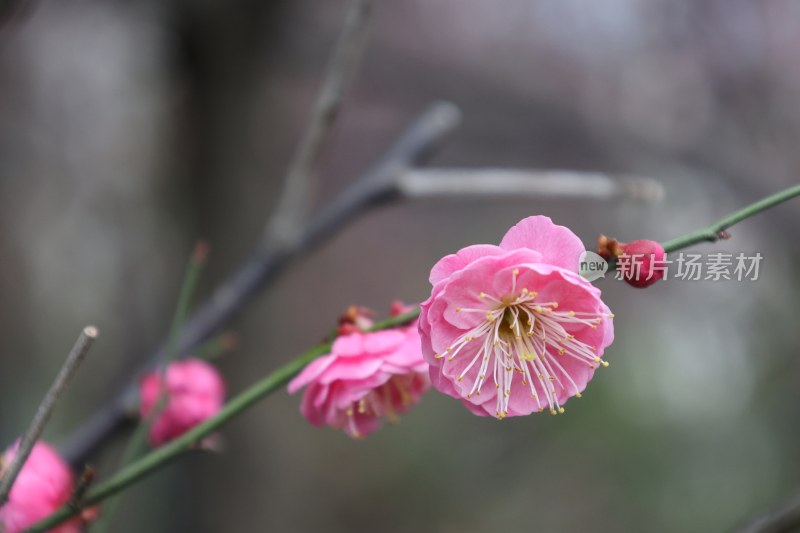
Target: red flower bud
pixel 641 263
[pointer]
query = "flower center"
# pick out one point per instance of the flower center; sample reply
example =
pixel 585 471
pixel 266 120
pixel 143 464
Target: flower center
pixel 385 400
pixel 520 333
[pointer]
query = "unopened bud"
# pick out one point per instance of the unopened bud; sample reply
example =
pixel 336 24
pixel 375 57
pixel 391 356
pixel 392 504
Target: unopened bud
pixel 641 263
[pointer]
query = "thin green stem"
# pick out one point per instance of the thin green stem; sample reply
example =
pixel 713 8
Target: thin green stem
pixel 713 232
pixel 173 449
pixel 215 348
pixel 137 443
pixel 190 281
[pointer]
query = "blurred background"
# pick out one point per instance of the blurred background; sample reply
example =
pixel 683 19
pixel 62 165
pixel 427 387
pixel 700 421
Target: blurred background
pixel 128 130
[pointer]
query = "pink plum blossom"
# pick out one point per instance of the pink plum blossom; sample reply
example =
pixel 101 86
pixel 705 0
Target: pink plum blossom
pixel 367 376
pixel 519 316
pixel 44 484
pixel 194 393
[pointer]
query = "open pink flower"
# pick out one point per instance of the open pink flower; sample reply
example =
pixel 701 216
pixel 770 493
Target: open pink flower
pixel 519 316
pixel 44 484
pixel 366 377
pixel 195 392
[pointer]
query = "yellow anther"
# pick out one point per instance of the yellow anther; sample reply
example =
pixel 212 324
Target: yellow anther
pixel 611 315
pixel 594 327
pixel 561 410
pixel 458 309
pixel 555 305
pixel 571 313
pixel 553 412
pixel 515 272
pixel 482 295
pixel 460 379
pixel 597 360
pixel 605 363
pixel 578 395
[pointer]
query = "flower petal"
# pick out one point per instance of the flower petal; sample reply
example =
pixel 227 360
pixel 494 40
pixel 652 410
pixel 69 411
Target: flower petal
pixel 557 244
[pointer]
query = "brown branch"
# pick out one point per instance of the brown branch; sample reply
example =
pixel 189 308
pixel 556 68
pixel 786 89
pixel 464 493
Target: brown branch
pixel 377 186
pixel 286 224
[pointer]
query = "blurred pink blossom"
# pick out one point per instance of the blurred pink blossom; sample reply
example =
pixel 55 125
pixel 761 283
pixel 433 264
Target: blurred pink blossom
pixel 519 315
pixel 194 393
pixel 44 484
pixel 366 377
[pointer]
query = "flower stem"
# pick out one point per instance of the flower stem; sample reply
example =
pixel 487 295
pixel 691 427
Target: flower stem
pixel 137 443
pixel 173 449
pixel 714 232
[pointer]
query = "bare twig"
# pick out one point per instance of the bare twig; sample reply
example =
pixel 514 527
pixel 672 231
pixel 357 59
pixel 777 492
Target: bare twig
pixel 376 186
pixel 784 519
pixel 287 223
pixel 74 359
pixel 515 183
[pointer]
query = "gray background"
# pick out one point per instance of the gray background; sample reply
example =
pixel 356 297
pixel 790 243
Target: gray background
pixel 130 129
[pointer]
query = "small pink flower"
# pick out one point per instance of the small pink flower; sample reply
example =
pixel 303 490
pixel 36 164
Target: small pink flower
pixel 518 315
pixel 195 392
pixel 367 376
pixel 44 484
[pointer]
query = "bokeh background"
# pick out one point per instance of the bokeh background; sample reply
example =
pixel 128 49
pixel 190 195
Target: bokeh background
pixel 128 130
